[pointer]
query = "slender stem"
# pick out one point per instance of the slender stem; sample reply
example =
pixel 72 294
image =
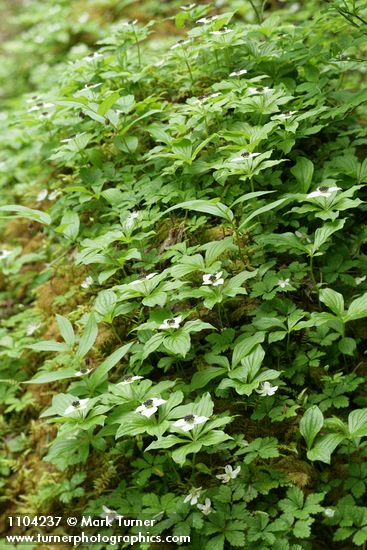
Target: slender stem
pixel 311 271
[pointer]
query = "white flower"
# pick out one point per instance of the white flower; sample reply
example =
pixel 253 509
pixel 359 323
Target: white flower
pixel 189 422
pixel 283 283
pixel 329 512
pixel 53 195
pixel 223 30
pixel 93 56
pixel 215 279
pixel 188 8
pixel 83 372
pixel 244 156
pixel 193 496
pixel 110 515
pixel 4 254
pixel 360 280
pixel 205 508
pixel 42 195
pixel 31 328
pixel 129 379
pixel 130 22
pixel 267 389
pixel 88 281
pixel 205 97
pixel 171 323
pixel 146 278
pixel 259 90
pixel 205 20
pixel 130 220
pixel 239 73
pixel 83 17
pixel 150 406
pixel 286 115
pixel 76 406
pixel 179 44
pixel 229 473
pixel 323 191
pixel 92 86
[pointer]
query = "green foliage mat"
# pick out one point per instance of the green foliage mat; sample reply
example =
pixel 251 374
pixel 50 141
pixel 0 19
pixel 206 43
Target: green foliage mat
pixel 183 293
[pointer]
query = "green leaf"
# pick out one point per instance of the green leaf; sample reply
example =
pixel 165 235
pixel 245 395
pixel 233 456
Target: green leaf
pixel 262 210
pixel 303 172
pixel 245 346
pixel 347 346
pixel 49 345
pixel 324 233
pixel 357 423
pixel 108 364
pixel 69 225
pixel 178 343
pixel 107 103
pixel 29 213
pixel 310 425
pixel 324 447
pixel 88 338
pixel 357 309
pixel 207 206
pixel 333 300
pixel 66 330
pixel 47 377
pixel 203 377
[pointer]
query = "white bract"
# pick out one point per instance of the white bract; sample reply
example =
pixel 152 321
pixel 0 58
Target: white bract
pixel 110 515
pixel 129 379
pixel 239 73
pixel 4 254
pixel 213 279
pixel 267 389
pixel 188 8
pixel 42 195
pixel 130 220
pixel 244 156
pixel 223 30
pixel 259 90
pixel 193 496
pixel 171 323
pixel 150 406
pixel 323 191
pixel 229 474
pixel 83 372
pixel 205 97
pixel 283 283
pixel 205 20
pixel 189 422
pixel 31 328
pixel 179 44
pixel 88 281
pixel 146 278
pixel 205 508
pixel 76 406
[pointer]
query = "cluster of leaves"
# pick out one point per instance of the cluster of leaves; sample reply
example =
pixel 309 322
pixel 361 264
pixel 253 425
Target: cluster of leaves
pixel 183 297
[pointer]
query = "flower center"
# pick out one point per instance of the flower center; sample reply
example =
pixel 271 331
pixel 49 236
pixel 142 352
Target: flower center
pixel 84 371
pixel 76 404
pixel 323 189
pixel 245 154
pixel 148 403
pixel 170 322
pixel 127 378
pixel 259 89
pixel 212 278
pixel 189 418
